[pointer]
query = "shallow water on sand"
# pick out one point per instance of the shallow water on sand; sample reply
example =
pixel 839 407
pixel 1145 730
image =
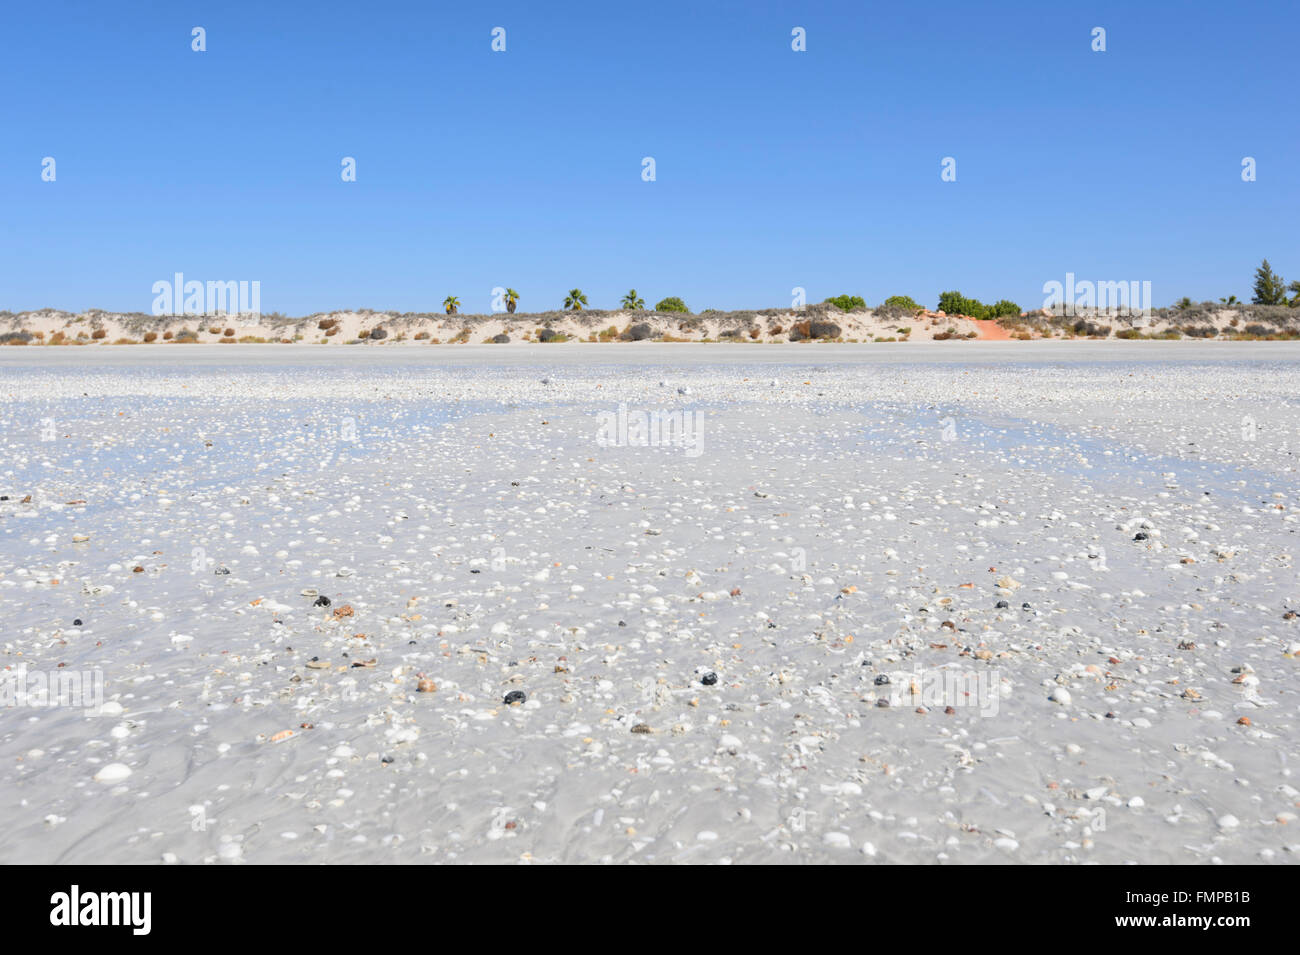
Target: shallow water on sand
pixel 847 530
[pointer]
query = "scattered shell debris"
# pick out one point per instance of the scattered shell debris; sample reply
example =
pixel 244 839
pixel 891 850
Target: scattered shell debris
pixel 872 611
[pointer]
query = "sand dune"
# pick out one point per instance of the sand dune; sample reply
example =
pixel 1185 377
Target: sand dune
pixel 814 324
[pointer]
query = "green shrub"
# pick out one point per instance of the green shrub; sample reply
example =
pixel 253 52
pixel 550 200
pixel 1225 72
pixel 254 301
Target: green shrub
pixel 903 301
pixel 672 304
pixel 848 303
pixel 954 303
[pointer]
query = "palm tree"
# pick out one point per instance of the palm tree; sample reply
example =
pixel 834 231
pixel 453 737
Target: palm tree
pixel 574 301
pixel 451 303
pixel 633 301
pixel 512 299
pixel 1230 300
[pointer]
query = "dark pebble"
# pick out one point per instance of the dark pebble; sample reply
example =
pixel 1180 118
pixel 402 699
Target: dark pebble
pixel 882 680
pixel 709 679
pixel 321 601
pixel 1001 605
pixel 515 696
pixel 77 622
pixel 1140 536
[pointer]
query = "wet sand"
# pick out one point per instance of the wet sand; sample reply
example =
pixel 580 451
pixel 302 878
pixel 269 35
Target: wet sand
pixel 737 641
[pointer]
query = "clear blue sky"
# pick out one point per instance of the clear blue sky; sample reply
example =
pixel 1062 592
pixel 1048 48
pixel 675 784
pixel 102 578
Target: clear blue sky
pixel 775 169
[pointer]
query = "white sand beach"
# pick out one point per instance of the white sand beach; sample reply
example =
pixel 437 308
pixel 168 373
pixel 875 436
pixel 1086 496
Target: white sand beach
pixel 976 602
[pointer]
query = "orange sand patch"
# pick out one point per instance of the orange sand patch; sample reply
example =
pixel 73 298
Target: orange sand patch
pixel 990 330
